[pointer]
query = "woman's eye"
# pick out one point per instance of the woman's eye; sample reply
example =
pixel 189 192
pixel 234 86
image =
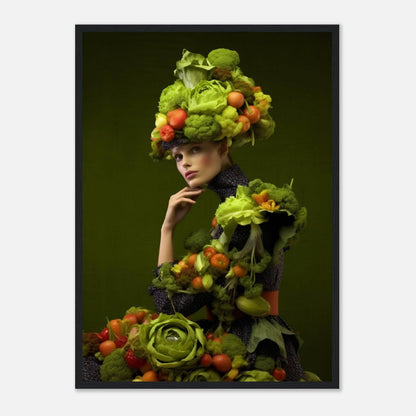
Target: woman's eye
pixel 196 149
pixel 178 157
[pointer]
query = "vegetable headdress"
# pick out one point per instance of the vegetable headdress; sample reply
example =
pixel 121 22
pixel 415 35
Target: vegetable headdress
pixel 210 100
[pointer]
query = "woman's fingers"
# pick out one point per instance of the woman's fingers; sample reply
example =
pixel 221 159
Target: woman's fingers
pixel 184 201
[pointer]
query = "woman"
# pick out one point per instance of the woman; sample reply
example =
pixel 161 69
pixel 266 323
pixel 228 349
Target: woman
pixel 211 107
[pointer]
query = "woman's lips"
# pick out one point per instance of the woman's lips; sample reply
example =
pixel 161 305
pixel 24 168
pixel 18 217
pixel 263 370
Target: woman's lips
pixel 190 174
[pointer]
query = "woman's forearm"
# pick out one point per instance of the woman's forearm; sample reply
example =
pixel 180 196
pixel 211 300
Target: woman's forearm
pixel 166 253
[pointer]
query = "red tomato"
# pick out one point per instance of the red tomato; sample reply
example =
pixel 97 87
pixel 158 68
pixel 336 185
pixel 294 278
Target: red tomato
pixel 176 118
pixel 107 347
pixel 103 335
pixel 239 271
pixel 222 362
pixel 246 123
pixel 279 374
pixel 210 336
pixel 252 113
pixel 140 316
pixel 256 89
pixel 154 316
pixel 131 317
pixel 217 339
pixel 209 252
pixel 197 282
pixel 120 341
pixel 220 261
pixel 191 259
pixel 167 133
pixel 214 222
pixel 235 99
pixel 206 360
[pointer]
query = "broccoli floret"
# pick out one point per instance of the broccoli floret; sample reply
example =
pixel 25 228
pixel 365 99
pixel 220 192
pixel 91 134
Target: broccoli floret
pixel 264 128
pixel 173 96
pixel 262 102
pixel 232 345
pixel 264 363
pixel 114 368
pixel 202 128
pixel 196 241
pixel 224 58
pixel 227 119
pixel 254 291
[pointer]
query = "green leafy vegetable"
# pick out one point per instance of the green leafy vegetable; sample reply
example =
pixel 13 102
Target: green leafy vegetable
pixel 173 341
pixel 196 241
pixel 200 374
pixel 209 97
pixel 173 96
pixel 192 68
pixel 255 375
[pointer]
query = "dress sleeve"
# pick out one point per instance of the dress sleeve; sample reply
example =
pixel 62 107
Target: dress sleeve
pixel 184 303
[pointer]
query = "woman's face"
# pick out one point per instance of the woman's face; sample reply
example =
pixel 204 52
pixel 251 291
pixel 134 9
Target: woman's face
pixel 199 163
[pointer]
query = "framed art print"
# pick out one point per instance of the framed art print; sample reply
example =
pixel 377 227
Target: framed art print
pixel 207 206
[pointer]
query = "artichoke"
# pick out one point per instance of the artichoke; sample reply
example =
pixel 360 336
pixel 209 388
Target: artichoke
pixel 172 341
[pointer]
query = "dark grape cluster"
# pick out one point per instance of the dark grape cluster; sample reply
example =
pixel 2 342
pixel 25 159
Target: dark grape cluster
pixel 91 368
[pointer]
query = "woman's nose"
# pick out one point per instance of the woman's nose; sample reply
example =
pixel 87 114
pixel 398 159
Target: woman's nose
pixel 185 162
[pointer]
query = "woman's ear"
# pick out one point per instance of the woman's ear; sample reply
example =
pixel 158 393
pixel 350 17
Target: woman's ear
pixel 223 148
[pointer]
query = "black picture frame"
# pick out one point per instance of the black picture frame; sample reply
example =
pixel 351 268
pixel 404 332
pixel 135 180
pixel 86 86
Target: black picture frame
pixel 80 30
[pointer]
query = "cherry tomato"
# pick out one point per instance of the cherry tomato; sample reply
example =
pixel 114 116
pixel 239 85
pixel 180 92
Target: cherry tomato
pixel 256 89
pixel 239 271
pixel 222 362
pixel 217 339
pixel 209 252
pixel 220 261
pixel 246 123
pixel 235 99
pixel 197 282
pixel 176 118
pixel 154 316
pixel 103 335
pixel 140 316
pixel 115 325
pixel 252 113
pixel 131 317
pixel 214 222
pixel 206 360
pixel 167 133
pixel 210 336
pixel 107 347
pixel 191 259
pixel 279 374
pixel 150 375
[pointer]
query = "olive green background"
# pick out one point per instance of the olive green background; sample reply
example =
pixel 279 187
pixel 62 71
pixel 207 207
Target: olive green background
pixel 125 193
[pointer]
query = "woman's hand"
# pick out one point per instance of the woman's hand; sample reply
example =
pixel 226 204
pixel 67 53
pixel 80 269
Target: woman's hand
pixel 179 205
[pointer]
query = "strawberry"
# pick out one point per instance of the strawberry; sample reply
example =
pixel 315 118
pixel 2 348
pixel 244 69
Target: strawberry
pixel 133 361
